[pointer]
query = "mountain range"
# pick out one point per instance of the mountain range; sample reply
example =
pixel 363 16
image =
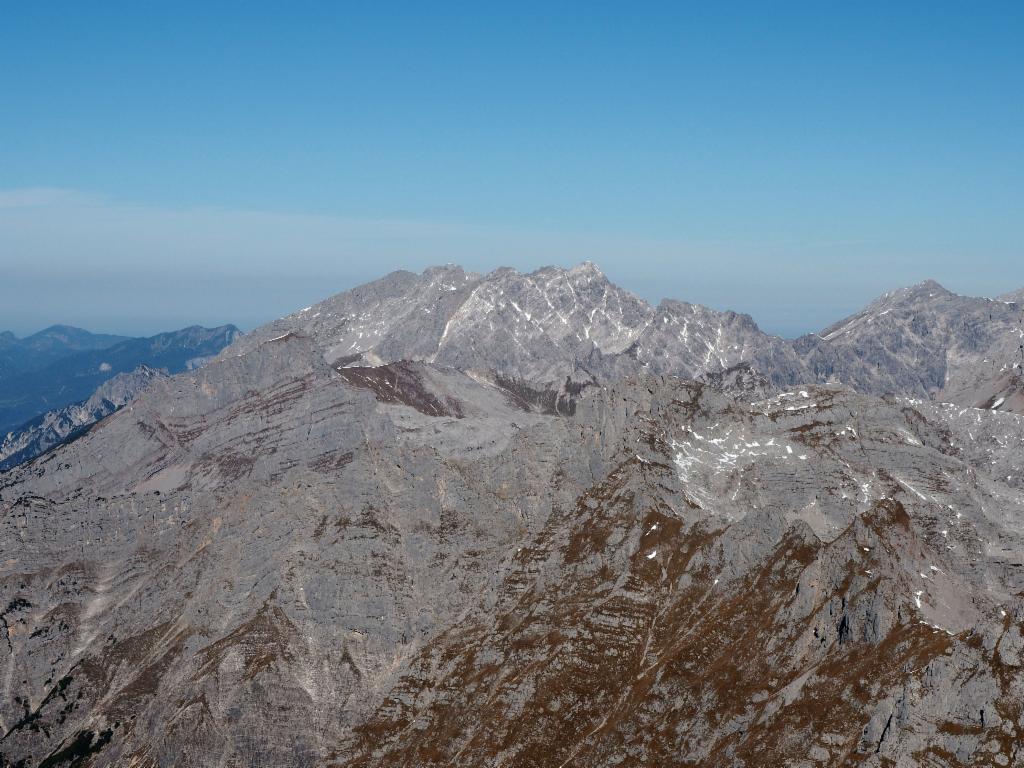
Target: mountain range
pixel 922 341
pixel 47 346
pixel 61 365
pixel 532 520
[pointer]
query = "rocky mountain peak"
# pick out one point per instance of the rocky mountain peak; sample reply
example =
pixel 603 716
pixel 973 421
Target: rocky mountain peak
pixel 925 291
pixel 543 325
pixel 526 519
pixel 1016 297
pixel 587 268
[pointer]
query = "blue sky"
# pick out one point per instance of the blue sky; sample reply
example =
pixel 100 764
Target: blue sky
pixel 162 164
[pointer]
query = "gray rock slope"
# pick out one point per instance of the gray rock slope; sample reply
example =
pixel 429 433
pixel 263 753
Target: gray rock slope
pixel 927 341
pixel 55 427
pixel 316 551
pixel 921 341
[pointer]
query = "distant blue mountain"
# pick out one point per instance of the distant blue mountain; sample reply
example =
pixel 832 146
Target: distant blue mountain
pixel 62 365
pixel 48 346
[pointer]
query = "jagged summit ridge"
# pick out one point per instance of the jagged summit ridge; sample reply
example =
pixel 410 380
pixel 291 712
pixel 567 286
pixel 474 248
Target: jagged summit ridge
pixel 535 324
pixel 922 340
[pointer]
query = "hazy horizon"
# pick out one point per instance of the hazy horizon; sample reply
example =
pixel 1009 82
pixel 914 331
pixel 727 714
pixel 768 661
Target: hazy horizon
pixel 289 298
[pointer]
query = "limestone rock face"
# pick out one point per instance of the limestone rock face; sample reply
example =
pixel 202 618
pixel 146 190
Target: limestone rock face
pixel 922 341
pixel 300 555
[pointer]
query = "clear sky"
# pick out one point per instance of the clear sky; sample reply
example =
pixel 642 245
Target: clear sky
pixel 169 163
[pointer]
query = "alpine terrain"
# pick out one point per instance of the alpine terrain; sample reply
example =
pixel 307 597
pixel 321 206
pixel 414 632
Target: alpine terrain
pixel 449 519
pixel 63 366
